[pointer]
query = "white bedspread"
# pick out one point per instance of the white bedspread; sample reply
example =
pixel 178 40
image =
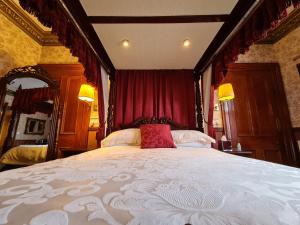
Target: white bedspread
pixel 128 185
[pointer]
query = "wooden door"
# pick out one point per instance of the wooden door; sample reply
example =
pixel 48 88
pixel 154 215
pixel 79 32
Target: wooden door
pixel 258 117
pixel 74 114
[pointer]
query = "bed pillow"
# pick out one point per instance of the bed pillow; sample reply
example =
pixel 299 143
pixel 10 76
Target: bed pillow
pixel 130 136
pixel 191 136
pixel 156 136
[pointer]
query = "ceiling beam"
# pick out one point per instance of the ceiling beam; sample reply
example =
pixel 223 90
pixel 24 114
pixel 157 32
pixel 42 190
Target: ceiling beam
pixel 237 14
pixel 157 19
pixel 81 18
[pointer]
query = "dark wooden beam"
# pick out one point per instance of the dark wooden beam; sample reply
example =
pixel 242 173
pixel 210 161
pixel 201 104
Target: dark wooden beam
pixel 235 17
pixel 158 19
pixel 77 11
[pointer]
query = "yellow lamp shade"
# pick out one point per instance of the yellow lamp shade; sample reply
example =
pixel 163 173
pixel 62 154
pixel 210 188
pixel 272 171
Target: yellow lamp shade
pixel 225 92
pixel 87 93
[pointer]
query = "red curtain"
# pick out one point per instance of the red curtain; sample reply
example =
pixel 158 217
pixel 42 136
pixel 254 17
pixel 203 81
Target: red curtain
pixel 264 19
pixel 155 93
pixel 50 13
pixel 33 100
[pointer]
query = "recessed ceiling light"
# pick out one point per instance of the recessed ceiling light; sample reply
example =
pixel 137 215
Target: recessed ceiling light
pixel 186 43
pixel 125 43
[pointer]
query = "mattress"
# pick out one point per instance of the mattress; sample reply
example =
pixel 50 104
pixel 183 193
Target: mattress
pixel 128 185
pixel 25 155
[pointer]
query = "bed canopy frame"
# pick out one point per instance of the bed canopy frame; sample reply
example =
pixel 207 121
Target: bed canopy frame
pixel 39 73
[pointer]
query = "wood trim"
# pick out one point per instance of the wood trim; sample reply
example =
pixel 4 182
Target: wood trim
pixel 19 17
pixel 199 113
pixel 158 19
pixel 239 11
pixel 65 106
pixel 81 19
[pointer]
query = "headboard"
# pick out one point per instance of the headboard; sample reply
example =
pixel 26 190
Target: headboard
pixel 163 120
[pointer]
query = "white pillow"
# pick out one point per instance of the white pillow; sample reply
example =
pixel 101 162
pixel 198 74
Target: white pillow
pixel 191 136
pixel 130 136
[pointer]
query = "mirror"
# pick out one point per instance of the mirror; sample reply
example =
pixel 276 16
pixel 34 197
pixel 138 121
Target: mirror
pixel 28 119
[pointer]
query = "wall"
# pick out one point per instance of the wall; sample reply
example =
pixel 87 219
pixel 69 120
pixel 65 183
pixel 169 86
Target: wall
pixel 56 55
pixel 22 123
pixel 17 49
pixel 285 53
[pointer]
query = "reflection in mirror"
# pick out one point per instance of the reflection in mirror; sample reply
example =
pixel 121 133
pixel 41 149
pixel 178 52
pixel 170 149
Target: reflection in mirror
pixel 25 122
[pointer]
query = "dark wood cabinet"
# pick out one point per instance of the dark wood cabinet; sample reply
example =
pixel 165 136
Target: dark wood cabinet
pixel 243 153
pixel 74 114
pixel 258 117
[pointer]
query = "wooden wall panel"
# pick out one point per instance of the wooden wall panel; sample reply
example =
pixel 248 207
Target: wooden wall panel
pixel 74 114
pixel 258 115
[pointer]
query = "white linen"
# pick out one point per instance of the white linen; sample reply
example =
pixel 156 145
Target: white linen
pixel 131 136
pixel 191 136
pixel 128 185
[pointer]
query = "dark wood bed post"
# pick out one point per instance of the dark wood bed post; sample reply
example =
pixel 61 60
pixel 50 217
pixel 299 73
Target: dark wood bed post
pixel 198 102
pixel 111 103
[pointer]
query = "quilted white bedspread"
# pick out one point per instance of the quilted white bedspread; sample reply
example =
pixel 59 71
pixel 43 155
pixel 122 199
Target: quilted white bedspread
pixel 128 185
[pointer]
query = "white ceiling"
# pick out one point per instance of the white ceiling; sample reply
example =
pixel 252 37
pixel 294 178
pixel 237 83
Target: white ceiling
pixel 156 7
pixel 156 46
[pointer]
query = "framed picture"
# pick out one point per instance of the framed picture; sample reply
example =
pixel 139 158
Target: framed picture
pixel 35 126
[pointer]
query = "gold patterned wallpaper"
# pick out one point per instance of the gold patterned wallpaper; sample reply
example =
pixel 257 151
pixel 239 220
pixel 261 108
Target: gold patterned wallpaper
pixel 18 49
pixel 286 52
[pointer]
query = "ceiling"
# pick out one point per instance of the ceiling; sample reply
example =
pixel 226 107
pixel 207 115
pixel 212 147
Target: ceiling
pixel 156 46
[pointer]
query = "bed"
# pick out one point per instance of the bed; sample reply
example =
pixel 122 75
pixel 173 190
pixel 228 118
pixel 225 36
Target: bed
pixel 128 185
pixel 24 155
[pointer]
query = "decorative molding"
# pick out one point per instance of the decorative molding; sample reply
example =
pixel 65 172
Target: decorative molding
pixel 19 17
pixel 286 26
pixel 158 19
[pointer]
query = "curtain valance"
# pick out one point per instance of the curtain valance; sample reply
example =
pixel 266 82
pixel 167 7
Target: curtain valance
pixel 264 19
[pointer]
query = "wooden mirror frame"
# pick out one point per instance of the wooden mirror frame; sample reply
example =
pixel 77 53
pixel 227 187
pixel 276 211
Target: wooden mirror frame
pixel 36 72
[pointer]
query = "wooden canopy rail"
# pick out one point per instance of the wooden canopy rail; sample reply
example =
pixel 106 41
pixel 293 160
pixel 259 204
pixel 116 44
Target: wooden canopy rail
pixel 158 19
pixel 36 72
pixel 164 120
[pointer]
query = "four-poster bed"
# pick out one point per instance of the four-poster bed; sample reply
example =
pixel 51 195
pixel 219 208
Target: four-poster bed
pixel 124 184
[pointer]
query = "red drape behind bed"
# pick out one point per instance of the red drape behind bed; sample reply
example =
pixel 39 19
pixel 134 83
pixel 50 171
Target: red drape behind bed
pixel 155 93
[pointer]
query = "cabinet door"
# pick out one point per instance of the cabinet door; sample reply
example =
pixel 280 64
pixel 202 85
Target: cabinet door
pixel 257 115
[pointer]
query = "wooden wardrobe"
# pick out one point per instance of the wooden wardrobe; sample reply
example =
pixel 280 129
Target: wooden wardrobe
pixel 74 114
pixel 258 117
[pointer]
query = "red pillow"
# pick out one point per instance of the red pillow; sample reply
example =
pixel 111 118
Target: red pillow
pixel 156 136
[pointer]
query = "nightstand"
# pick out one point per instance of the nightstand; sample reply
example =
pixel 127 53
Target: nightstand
pixel 70 152
pixel 244 153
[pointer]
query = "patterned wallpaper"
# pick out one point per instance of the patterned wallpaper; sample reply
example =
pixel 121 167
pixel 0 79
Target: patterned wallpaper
pixel 285 53
pixel 56 55
pixel 18 49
